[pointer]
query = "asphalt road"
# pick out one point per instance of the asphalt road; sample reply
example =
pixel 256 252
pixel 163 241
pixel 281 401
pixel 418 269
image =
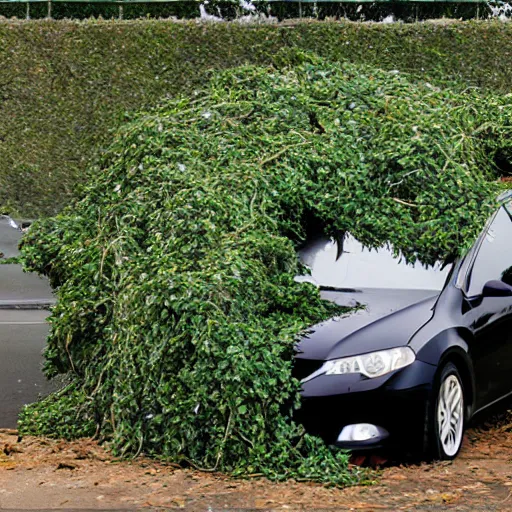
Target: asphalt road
pixel 22 340
pixel 21 289
pixel 18 288
pixel 23 331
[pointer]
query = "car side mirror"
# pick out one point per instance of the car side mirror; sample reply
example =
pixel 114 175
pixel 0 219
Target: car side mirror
pixel 497 288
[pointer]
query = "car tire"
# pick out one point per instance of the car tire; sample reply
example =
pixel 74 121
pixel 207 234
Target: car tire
pixel 446 417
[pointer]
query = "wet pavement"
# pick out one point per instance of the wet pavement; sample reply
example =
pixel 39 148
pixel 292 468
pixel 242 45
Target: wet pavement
pixel 23 331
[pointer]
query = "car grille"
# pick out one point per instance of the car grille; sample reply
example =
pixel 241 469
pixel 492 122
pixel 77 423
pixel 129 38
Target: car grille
pixel 303 368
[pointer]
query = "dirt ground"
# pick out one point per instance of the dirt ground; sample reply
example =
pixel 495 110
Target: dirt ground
pixel 48 474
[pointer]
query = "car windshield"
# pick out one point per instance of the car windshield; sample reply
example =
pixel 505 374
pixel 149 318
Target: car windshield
pixel 358 267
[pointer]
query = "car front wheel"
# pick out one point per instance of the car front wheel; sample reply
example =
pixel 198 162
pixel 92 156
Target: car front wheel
pixel 446 423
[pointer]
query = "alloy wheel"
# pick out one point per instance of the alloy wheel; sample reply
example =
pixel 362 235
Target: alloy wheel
pixel 450 415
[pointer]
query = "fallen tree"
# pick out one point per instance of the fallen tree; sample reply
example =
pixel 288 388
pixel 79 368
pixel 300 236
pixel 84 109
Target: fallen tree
pixel 178 309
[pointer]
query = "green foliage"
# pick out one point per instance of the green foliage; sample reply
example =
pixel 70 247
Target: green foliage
pixel 9 261
pixel 65 85
pixel 178 309
pixel 67 412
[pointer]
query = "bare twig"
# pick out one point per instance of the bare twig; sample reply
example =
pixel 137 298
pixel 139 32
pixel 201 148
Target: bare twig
pixel 412 205
pixel 226 433
pixel 281 152
pixel 405 176
pixel 68 342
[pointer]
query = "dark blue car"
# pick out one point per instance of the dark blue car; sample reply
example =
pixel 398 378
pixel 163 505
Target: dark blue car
pixel 429 349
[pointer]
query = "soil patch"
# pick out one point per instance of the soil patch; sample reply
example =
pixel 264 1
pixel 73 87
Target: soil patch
pixel 38 473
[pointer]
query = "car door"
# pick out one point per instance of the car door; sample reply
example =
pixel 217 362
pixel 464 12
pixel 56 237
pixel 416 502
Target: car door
pixel 490 318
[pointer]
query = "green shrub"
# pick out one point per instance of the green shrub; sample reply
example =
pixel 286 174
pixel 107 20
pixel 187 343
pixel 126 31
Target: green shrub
pixel 65 85
pixel 178 309
pixel 60 414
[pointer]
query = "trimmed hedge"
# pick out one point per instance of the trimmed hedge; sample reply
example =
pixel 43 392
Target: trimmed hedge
pixel 64 85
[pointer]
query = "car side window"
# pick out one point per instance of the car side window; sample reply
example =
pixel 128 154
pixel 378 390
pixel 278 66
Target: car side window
pixel 494 258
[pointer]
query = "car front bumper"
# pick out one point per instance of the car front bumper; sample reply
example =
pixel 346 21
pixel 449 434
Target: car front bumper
pixel 396 402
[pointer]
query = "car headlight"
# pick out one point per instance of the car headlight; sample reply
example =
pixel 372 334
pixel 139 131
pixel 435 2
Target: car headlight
pixel 371 365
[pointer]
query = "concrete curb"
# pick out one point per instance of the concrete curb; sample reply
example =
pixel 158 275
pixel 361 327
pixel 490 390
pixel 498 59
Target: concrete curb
pixel 27 304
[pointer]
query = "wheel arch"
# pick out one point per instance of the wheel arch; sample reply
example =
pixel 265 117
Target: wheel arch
pixel 452 346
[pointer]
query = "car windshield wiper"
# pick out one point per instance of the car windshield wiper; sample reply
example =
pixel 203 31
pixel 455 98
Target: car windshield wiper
pixel 336 289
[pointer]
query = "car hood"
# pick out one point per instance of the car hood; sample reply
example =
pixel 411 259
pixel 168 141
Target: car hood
pixel 387 319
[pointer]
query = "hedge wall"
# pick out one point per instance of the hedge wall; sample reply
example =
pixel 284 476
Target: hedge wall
pixel 64 85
